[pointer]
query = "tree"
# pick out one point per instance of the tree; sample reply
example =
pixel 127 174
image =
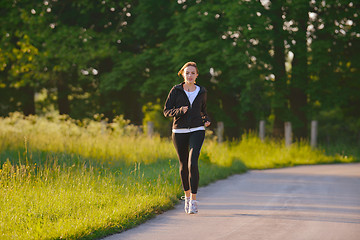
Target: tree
pixel 141 70
pixel 115 57
pixel 298 97
pixel 81 36
pixel 20 72
pixel 334 68
pixel 217 35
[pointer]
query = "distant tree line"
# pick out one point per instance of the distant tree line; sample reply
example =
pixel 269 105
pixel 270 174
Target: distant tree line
pixel 259 59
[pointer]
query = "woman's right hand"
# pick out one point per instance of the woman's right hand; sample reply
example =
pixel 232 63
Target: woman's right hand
pixel 184 109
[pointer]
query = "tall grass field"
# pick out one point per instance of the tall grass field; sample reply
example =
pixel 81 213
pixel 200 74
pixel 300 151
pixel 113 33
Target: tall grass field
pixel 67 179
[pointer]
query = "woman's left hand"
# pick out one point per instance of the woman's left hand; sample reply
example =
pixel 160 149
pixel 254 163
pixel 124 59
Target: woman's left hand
pixel 207 123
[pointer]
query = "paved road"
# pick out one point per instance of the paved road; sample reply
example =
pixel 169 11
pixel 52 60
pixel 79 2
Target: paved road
pixel 306 202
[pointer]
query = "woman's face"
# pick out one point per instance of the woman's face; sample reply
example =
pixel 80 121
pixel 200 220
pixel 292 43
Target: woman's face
pixel 190 74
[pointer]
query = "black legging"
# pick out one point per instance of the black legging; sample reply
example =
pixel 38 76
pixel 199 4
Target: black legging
pixel 188 146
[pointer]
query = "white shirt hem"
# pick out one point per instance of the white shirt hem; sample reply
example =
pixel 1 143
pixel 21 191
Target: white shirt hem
pixel 188 130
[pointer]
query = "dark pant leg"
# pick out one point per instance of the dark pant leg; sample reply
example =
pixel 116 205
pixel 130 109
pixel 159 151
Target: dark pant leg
pixel 195 143
pixel 181 143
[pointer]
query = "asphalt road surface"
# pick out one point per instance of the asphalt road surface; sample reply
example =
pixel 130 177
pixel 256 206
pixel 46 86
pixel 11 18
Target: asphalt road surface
pixel 307 202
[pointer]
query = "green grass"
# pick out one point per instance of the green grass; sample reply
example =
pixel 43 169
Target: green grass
pixel 70 197
pixel 62 179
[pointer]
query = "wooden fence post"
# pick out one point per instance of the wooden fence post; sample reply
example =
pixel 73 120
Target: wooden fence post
pixel 262 130
pixel 314 133
pixel 288 134
pixel 150 128
pixel 103 126
pixel 220 131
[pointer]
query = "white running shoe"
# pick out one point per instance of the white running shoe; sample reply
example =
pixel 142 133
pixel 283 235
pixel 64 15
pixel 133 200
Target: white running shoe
pixel 187 203
pixel 193 209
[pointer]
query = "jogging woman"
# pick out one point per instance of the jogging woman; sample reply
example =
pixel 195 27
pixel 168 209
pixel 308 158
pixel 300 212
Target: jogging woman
pixel 186 103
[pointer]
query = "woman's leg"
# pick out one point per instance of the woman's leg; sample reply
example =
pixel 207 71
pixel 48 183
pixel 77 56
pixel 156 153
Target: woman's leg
pixel 181 143
pixel 195 143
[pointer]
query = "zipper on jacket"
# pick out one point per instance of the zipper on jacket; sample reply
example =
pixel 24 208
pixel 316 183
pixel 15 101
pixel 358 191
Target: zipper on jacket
pixel 190 105
pixel 186 97
pixel 196 96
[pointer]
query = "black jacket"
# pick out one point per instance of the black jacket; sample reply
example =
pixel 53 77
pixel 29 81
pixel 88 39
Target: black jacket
pixel 196 114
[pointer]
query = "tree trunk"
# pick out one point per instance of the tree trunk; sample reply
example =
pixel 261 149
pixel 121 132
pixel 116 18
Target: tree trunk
pixel 299 80
pixel 27 100
pixel 132 105
pixel 228 105
pixel 133 112
pixel 280 102
pixel 63 91
pixel 250 123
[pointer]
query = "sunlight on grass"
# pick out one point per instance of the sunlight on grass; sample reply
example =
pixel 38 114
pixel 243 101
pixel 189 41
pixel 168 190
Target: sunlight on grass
pixel 61 178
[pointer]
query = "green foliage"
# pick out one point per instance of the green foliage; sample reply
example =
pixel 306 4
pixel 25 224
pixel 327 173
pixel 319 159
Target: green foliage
pixel 113 57
pixel 334 128
pixel 153 113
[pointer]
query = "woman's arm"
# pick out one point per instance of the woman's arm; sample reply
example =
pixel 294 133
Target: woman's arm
pixel 204 114
pixel 169 108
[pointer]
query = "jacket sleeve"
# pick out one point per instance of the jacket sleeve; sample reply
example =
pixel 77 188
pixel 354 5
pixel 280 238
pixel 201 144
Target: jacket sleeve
pixel 169 108
pixel 204 114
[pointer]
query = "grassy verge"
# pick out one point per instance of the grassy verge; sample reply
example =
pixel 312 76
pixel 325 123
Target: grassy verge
pixel 60 179
pixel 255 154
pixel 67 196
